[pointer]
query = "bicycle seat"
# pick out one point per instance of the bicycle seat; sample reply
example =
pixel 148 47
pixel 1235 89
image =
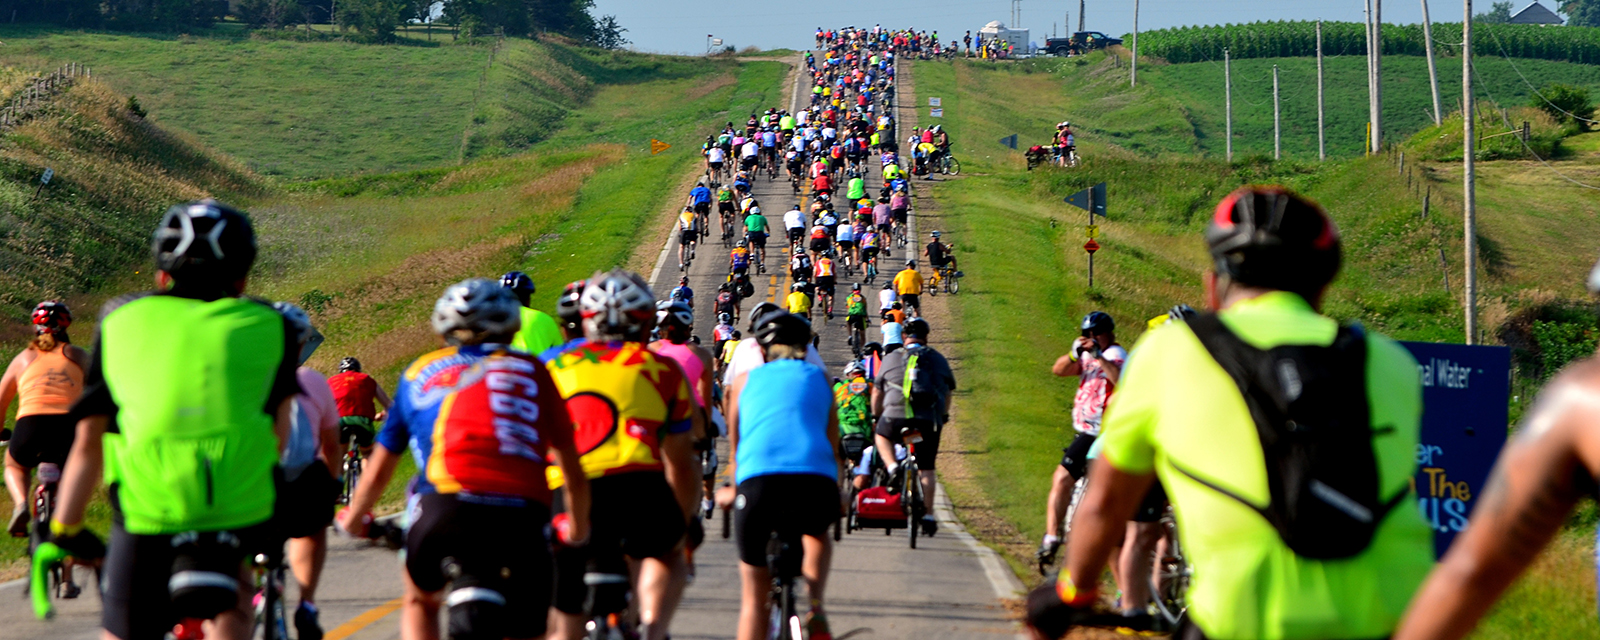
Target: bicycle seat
pixel 782 560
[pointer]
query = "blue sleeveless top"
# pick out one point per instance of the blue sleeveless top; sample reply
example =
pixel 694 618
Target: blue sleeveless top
pixel 783 422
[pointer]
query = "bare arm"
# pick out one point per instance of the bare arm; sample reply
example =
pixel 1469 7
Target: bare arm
pixel 1100 523
pixel 383 400
pixel 1065 367
pixel 8 382
pixel 1539 477
pixel 877 400
pixel 380 469
pixel 83 468
pixel 282 421
pixel 1112 370
pixel 577 485
pixel 683 470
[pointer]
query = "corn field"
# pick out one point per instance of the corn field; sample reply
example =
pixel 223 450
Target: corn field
pixel 1293 39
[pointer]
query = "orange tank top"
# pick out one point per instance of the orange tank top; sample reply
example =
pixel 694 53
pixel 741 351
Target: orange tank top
pixel 49 384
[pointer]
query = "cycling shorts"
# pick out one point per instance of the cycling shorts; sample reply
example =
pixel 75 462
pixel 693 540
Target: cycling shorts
pixel 846 245
pixel 820 244
pixel 497 546
pixel 43 437
pixel 686 236
pixel 716 166
pixel 856 322
pixel 795 233
pixel 747 162
pixel 702 207
pixel 899 215
pixel 927 450
pixel 852 446
pixel 305 505
pixel 137 603
pixel 868 253
pixel 825 284
pixel 791 505
pixel 726 206
pixel 631 514
pixel 1075 458
pixel 1154 504
pixel 356 428
pixel 757 238
pixel 910 300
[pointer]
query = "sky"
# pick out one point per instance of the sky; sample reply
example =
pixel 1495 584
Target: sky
pixel 681 26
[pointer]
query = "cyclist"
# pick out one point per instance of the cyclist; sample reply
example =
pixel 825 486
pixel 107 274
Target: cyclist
pixel 784 439
pixel 899 210
pixel 688 237
pixel 746 354
pixel 799 301
pixel 539 330
pixel 800 267
pixel 852 395
pixel 739 259
pixel 845 237
pixel 794 224
pixel 355 392
pixel 1361 546
pixel 636 409
pixel 908 286
pixel 700 199
pixel 755 229
pixel 1097 360
pixel 675 322
pixel 720 335
pixel 825 281
pixel 309 492
pixel 203 469
pixel 912 392
pixel 1543 472
pixel 726 207
pixel 45 379
pixel 716 157
pixel 727 301
pixel 855 317
pixel 940 256
pixel 571 319
pixel 486 424
pixel 892 330
pixel 682 293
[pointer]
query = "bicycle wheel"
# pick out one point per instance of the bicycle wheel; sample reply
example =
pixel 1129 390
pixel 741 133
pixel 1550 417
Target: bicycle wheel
pixel 1078 490
pixel 951 166
pixel 913 496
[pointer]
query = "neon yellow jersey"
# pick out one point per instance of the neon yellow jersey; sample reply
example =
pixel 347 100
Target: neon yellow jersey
pixel 799 303
pixel 539 332
pixel 1175 405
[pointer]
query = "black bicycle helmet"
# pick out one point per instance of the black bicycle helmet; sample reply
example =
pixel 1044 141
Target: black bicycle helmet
pixel 349 363
pixel 204 242
pixel 781 327
pixel 1098 322
pixel 761 310
pixel 917 327
pixel 872 347
pixel 1268 236
pixel 567 305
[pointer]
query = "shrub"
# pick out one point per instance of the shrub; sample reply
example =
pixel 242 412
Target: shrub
pixel 1566 103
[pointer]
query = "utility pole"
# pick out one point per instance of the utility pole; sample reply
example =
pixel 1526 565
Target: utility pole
pixel 1080 15
pixel 1322 146
pixel 1377 75
pixel 1227 98
pixel 1277 123
pixel 1470 204
pixel 1433 73
pixel 1372 106
pixel 1133 61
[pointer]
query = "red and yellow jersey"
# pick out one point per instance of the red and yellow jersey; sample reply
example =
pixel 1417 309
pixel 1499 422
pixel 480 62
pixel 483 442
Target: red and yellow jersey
pixel 824 268
pixel 478 422
pixel 624 400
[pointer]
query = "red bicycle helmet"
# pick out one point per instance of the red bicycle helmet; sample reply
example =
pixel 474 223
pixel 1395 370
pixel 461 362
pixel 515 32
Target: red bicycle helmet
pixel 51 315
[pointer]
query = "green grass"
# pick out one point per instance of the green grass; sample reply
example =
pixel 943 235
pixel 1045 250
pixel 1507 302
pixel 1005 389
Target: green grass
pixel 1180 107
pixel 1025 289
pixel 368 254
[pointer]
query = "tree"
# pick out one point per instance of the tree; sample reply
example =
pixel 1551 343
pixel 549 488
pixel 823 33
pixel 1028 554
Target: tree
pixel 608 34
pixel 1565 103
pixel 1499 13
pixel 375 19
pixel 1582 13
pixel 269 14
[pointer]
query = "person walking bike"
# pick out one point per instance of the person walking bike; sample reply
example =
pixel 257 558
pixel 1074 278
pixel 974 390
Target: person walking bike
pixel 783 435
pixel 1240 413
pixel 488 424
pixel 1096 359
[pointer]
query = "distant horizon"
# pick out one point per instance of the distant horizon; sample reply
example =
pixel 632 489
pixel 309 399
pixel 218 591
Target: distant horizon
pixel 677 27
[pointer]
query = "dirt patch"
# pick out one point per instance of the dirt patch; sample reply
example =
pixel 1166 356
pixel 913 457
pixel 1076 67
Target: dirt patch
pixel 704 89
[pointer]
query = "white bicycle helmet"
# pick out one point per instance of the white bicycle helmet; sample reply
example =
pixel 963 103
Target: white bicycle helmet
pixel 676 311
pixel 297 318
pixel 479 307
pixel 617 305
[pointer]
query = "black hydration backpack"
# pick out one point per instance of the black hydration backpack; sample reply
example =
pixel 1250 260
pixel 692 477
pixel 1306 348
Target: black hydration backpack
pixel 1312 415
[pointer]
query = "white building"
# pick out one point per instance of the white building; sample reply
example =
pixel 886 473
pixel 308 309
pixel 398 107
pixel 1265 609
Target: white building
pixel 997 30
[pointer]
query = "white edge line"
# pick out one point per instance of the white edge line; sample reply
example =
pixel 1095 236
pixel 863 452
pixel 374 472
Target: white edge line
pixel 19 582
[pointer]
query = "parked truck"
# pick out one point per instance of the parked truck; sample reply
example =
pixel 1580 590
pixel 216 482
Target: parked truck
pixel 1079 43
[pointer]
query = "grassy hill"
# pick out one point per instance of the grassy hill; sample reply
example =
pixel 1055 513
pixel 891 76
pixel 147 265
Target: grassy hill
pixel 558 180
pixel 1026 288
pixel 1180 107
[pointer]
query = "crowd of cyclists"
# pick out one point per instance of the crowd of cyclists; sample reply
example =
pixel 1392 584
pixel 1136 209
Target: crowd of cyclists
pixel 566 462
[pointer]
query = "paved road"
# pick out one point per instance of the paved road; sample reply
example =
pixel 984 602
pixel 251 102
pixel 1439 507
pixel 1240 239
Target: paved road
pixel 949 587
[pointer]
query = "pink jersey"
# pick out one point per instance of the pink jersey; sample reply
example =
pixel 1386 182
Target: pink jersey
pixel 1094 391
pixel 693 366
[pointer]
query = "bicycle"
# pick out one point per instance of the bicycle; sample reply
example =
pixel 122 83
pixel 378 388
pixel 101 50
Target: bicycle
pixel 871 269
pixel 948 164
pixel 270 622
pixel 900 239
pixel 1079 488
pixel 1169 588
pixel 351 469
pixel 56 578
pixel 784 564
pixel 947 278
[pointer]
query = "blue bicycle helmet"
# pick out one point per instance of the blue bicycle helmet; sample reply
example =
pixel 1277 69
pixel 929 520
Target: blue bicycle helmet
pixel 1098 322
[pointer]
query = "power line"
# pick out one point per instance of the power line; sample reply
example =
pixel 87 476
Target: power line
pixel 1525 144
pixel 1530 84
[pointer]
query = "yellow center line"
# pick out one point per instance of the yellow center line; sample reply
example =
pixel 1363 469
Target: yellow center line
pixel 362 621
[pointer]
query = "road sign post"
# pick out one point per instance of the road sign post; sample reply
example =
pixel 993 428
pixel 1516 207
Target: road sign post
pixel 1092 200
pixel 657 146
pixel 44 179
pixel 1010 141
pixel 1091 246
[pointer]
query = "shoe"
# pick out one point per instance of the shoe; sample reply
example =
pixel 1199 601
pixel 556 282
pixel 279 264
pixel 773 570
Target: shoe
pixel 70 590
pixel 680 266
pixel 930 526
pixel 19 523
pixel 706 507
pixel 306 626
pixel 1141 624
pixel 897 479
pixel 1046 555
pixel 817 626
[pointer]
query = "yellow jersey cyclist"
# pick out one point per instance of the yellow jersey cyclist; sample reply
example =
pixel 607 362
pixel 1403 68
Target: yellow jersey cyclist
pixel 539 331
pixel 799 301
pixel 484 423
pixel 634 414
pixel 908 286
pixel 186 399
pixel 1265 403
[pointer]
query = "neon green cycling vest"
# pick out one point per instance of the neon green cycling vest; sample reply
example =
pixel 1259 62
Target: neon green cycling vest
pixel 191 380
